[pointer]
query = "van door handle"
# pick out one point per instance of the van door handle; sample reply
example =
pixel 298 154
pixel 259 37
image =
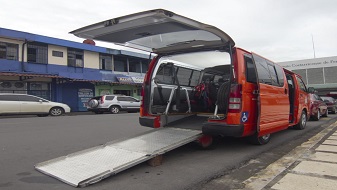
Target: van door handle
pixel 285 91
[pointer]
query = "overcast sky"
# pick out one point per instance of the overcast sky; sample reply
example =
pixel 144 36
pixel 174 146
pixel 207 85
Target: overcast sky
pixel 280 30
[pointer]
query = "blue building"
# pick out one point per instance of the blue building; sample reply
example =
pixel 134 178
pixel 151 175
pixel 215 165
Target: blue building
pixel 66 71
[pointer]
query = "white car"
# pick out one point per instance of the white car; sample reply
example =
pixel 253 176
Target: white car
pixel 13 104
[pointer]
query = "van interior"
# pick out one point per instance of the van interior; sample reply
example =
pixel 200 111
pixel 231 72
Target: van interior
pixel 190 83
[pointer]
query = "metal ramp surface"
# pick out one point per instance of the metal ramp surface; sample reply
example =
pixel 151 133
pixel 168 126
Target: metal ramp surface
pixel 92 165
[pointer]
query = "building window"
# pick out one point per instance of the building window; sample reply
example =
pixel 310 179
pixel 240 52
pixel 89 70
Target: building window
pixel 9 51
pixel 145 65
pixel 75 58
pixel 37 53
pixel 57 53
pixel 134 65
pixel 105 62
pixel 120 64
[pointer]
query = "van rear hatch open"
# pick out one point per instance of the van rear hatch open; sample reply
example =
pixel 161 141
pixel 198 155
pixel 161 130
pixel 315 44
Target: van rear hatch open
pixel 158 31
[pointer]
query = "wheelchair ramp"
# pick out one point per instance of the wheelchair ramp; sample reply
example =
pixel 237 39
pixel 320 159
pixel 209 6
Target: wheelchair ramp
pixel 92 165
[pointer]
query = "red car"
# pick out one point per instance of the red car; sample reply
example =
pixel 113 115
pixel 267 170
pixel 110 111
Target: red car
pixel 331 103
pixel 318 107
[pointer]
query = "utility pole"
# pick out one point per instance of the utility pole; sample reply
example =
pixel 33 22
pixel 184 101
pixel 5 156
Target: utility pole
pixel 313 45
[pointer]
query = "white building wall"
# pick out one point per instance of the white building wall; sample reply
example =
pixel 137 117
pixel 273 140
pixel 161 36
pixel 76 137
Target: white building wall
pixel 318 73
pixel 91 60
pixel 57 60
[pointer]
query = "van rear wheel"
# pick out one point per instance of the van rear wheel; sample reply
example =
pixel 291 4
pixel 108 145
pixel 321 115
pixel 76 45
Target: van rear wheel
pixel 255 139
pixel 303 121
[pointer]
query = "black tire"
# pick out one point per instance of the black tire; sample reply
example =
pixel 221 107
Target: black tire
pixel 114 109
pixel 93 103
pixel 326 113
pixel 56 111
pixel 256 140
pixel 222 96
pixel 317 116
pixel 303 121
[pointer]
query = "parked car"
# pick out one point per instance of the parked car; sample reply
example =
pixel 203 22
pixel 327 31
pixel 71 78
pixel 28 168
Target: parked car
pixel 331 103
pixel 318 107
pixel 113 104
pixel 15 104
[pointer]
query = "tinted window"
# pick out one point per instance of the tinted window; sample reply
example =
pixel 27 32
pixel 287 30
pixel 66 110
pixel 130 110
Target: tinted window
pixel 29 99
pixel 128 99
pixel 9 98
pixel 165 74
pixel 262 70
pixel 250 70
pixel 184 76
pixel 301 84
pixel 109 97
pixel 272 72
pixel 280 76
pixel 195 78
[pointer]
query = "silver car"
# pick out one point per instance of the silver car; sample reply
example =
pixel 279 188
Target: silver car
pixel 19 104
pixel 113 104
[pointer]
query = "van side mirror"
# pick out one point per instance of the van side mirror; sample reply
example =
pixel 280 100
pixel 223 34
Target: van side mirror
pixel 311 89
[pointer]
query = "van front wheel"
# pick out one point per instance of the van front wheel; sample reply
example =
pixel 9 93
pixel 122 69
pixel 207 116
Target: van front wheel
pixel 255 139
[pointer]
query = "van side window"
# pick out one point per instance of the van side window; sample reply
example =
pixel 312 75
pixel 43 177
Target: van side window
pixel 280 75
pixel 272 73
pixel 301 84
pixel 184 75
pixel 250 70
pixel 195 78
pixel 262 70
pixel 165 74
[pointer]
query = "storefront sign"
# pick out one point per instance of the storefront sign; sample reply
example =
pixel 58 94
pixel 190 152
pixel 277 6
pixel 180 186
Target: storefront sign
pixel 83 97
pixel 138 80
pixel 310 63
pixel 124 79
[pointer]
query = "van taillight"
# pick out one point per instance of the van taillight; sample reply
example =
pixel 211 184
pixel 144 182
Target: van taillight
pixel 102 99
pixel 235 97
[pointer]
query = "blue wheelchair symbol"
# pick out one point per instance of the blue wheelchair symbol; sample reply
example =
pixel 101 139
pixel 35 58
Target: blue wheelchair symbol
pixel 244 117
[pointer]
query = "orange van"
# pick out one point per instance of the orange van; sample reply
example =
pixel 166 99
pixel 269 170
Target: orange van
pixel 199 80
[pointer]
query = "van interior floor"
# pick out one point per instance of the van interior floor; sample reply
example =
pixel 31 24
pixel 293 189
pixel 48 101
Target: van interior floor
pixel 194 122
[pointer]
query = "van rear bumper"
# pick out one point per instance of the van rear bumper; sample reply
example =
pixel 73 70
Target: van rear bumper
pixel 223 129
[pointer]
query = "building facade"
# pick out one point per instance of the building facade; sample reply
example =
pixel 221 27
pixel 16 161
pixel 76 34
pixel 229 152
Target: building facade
pixel 66 71
pixel 320 73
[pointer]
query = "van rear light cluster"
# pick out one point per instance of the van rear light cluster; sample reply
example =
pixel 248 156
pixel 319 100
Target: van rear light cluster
pixel 235 97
